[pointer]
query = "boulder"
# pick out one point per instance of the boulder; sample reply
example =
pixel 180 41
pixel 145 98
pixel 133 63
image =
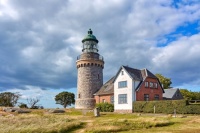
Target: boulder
pixel 22 111
pixel 10 109
pixel 56 111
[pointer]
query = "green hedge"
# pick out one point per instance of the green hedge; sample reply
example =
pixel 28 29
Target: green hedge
pixel 168 106
pixel 105 107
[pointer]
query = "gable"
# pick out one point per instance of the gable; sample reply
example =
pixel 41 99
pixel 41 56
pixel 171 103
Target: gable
pixel 119 74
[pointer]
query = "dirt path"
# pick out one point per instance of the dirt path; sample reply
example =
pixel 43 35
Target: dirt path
pixel 89 123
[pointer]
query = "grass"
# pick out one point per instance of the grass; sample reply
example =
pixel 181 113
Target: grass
pixel 76 121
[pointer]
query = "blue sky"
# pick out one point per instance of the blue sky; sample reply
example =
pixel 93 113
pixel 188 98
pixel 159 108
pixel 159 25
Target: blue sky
pixel 40 40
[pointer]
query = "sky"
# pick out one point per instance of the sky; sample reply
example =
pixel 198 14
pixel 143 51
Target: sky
pixel 40 42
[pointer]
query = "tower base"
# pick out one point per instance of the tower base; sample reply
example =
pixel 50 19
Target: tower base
pixel 86 103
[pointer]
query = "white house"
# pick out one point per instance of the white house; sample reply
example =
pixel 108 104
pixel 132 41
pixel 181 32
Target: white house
pixel 124 90
pixel 135 85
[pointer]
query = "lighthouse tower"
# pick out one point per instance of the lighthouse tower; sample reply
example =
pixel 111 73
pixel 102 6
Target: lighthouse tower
pixel 90 72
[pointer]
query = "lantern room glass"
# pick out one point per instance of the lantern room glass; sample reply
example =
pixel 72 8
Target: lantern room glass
pixel 90 46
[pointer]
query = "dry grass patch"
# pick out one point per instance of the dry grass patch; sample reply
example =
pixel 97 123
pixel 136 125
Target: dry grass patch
pixel 77 121
pixel 121 122
pixel 29 123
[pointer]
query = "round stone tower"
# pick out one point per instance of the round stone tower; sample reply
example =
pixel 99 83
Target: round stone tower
pixel 90 72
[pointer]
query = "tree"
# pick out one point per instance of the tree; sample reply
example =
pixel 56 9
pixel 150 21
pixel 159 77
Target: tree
pixel 166 82
pixel 65 99
pixel 189 95
pixel 9 99
pixel 32 102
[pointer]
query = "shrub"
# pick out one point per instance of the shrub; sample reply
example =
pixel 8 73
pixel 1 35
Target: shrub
pixel 105 107
pixel 168 107
pixel 23 105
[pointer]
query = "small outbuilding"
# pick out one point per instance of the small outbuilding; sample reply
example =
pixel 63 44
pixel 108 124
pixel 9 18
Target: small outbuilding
pixel 172 94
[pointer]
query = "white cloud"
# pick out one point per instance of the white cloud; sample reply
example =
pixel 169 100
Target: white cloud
pixel 6 10
pixel 41 47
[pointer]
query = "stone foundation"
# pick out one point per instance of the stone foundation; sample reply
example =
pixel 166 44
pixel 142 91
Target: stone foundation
pixel 86 103
pixel 123 111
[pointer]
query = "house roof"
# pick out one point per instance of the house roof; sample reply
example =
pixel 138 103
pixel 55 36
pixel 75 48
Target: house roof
pixel 135 74
pixel 138 74
pixel 107 88
pixel 169 93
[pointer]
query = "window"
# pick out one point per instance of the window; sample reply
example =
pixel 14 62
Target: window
pixel 156 97
pixel 112 99
pixel 103 100
pixel 122 98
pixel 122 84
pixel 146 97
pixel 155 85
pixel 122 72
pixel 79 95
pixel 151 85
pixel 146 84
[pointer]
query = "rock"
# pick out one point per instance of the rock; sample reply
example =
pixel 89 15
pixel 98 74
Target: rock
pixel 10 109
pixel 56 111
pixel 22 111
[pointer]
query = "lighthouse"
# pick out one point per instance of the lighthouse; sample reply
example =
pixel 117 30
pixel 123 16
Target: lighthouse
pixel 90 66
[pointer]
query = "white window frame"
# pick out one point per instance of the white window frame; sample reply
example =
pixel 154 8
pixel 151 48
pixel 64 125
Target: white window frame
pixel 151 84
pixel 112 99
pixel 122 99
pixel 155 85
pixel 146 84
pixel 122 84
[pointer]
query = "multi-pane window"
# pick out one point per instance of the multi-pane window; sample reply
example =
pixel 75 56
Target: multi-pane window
pixel 122 84
pixel 156 97
pixel 151 85
pixel 146 84
pixel 146 97
pixel 155 85
pixel 112 99
pixel 103 100
pixel 122 98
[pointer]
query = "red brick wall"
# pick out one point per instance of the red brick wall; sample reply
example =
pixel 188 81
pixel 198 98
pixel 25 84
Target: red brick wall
pixel 99 99
pixel 147 90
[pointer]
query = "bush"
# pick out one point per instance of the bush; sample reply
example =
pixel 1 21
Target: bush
pixel 168 107
pixel 23 105
pixel 105 107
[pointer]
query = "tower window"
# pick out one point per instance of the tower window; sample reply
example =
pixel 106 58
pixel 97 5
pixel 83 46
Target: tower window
pixel 79 95
pixel 98 76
